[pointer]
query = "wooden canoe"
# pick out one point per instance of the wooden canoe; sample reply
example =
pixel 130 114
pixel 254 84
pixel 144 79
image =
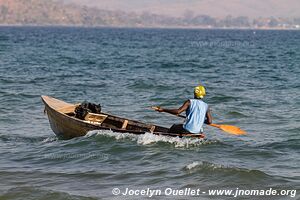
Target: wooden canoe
pixel 62 120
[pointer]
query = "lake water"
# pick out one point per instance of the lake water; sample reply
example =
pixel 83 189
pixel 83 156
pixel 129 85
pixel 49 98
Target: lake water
pixel 252 79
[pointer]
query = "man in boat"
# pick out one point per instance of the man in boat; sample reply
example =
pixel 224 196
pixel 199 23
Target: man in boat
pixel 197 113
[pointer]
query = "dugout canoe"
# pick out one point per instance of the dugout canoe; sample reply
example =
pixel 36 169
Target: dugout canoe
pixel 62 121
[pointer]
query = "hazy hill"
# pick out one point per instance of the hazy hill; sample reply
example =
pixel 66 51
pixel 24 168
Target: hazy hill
pixel 214 8
pixel 47 12
pixel 50 12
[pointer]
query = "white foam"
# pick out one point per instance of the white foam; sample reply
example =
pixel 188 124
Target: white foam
pixel 149 138
pixel 211 166
pixel 49 140
pixel 116 135
pixel 193 165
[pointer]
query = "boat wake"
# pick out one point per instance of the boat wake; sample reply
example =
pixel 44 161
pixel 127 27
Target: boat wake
pixel 149 138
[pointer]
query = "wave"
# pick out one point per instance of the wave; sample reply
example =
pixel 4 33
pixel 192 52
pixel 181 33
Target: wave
pixel 149 138
pixel 208 167
pixel 31 192
pixel 223 98
pixel 292 144
pixel 145 84
pixel 236 114
pixel 13 138
pixel 49 139
pixel 168 65
pixel 18 95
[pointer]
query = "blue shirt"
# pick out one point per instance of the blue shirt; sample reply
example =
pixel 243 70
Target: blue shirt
pixel 195 116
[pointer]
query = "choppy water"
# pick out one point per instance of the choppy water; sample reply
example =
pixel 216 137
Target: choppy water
pixel 252 78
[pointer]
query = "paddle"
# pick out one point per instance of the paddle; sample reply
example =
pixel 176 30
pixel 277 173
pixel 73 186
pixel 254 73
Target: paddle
pixel 227 128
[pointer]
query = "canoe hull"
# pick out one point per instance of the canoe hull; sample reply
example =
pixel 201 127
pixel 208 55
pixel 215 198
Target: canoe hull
pixel 67 127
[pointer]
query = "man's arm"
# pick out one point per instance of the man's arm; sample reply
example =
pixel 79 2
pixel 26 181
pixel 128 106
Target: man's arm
pixel 183 108
pixel 208 117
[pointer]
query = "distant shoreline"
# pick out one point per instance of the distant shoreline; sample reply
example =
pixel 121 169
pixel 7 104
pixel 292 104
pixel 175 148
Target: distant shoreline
pixel 154 27
pixel 60 14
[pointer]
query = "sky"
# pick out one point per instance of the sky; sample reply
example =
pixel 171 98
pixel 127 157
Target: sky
pixel 215 8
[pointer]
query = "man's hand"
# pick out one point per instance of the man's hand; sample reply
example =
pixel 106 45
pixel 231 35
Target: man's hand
pixel 157 108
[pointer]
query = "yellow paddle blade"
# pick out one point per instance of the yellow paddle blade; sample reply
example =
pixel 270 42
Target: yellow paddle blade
pixel 229 129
